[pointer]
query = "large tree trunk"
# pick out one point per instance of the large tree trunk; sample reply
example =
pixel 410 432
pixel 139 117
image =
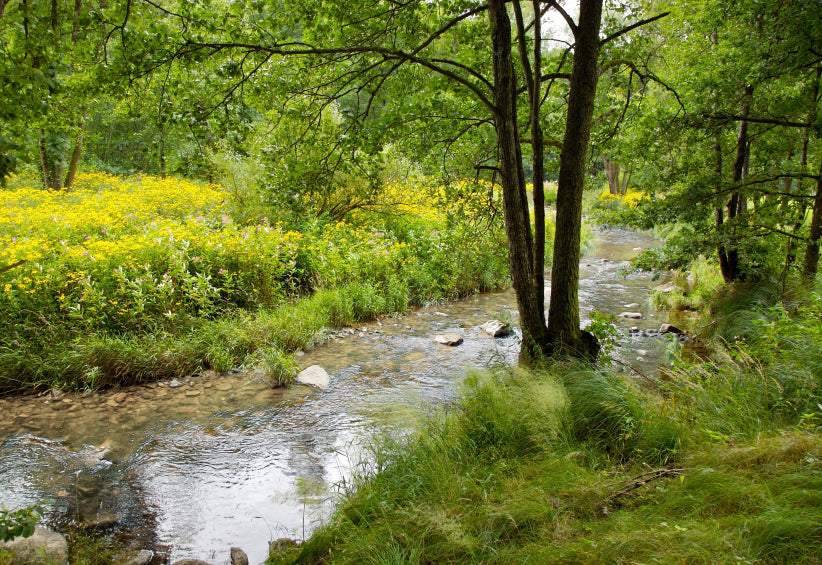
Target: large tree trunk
pixel 564 334
pixel 514 197
pixel 532 81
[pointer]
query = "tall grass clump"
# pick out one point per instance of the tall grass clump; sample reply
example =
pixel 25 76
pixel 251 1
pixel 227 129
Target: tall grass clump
pixel 766 367
pixel 505 466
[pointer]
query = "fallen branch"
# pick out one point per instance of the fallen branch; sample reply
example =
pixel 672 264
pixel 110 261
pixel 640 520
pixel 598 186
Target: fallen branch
pixel 644 479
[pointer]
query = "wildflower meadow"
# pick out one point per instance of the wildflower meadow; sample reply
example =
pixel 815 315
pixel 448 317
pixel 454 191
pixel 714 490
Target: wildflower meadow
pixel 146 264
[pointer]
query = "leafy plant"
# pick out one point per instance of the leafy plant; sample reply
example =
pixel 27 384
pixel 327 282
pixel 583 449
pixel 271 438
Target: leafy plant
pixel 604 328
pixel 20 523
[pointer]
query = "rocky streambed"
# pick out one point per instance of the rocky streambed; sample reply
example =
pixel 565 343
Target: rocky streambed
pixel 191 467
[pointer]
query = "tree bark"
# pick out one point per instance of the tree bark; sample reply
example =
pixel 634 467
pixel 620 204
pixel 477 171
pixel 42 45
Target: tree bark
pixel 612 174
pixel 532 81
pixel 626 176
pixel 74 162
pixel 44 163
pixel 811 262
pixel 512 176
pixel 564 333
pixel 736 203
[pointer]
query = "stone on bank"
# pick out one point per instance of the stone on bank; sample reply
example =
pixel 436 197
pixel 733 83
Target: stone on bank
pixel 43 547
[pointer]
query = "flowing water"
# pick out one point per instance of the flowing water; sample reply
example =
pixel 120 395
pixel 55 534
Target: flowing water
pixel 193 467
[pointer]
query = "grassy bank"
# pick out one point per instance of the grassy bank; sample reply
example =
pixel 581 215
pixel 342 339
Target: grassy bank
pixel 124 280
pixel 720 463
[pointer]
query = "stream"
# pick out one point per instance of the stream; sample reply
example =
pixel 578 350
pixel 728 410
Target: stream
pixel 192 467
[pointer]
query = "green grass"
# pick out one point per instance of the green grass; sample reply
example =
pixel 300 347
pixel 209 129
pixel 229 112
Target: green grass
pixel 722 463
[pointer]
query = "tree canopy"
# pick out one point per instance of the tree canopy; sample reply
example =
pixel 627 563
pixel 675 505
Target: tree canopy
pixel 711 109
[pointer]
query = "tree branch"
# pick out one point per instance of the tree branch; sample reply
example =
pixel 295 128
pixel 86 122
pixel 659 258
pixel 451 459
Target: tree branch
pixel 571 24
pixel 723 116
pixel 631 27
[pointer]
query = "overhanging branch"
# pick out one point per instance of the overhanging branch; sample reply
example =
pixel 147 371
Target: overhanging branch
pixel 631 27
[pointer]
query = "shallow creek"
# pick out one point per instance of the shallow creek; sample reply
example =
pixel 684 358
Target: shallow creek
pixel 224 460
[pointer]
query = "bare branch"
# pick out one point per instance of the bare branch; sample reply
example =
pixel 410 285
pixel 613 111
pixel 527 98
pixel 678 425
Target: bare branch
pixel 648 75
pixel 571 24
pixel 631 27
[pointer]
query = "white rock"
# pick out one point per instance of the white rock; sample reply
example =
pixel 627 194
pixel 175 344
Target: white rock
pixel 496 328
pixel 42 547
pixel 631 315
pixel 642 352
pixel 450 339
pixel 632 305
pixel 314 376
pixel 669 329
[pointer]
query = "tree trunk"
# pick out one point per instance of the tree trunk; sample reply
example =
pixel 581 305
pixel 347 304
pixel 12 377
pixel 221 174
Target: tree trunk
pixel 719 214
pixel 75 157
pixel 564 334
pixel 44 163
pixel 612 173
pixel 532 81
pixel 626 176
pixel 812 248
pixel 736 204
pixel 514 198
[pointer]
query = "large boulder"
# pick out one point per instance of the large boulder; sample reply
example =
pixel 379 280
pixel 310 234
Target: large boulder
pixel 314 376
pixel 43 547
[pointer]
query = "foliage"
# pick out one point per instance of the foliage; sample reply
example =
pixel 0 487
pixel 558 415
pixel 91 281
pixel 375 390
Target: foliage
pixel 697 287
pixel 19 523
pixel 90 548
pixel 724 165
pixel 125 276
pixel 604 328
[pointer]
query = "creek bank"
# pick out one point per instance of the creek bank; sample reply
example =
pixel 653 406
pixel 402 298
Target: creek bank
pixel 198 473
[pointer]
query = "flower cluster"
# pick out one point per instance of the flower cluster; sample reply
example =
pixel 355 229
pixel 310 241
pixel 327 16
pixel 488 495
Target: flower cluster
pixel 146 254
